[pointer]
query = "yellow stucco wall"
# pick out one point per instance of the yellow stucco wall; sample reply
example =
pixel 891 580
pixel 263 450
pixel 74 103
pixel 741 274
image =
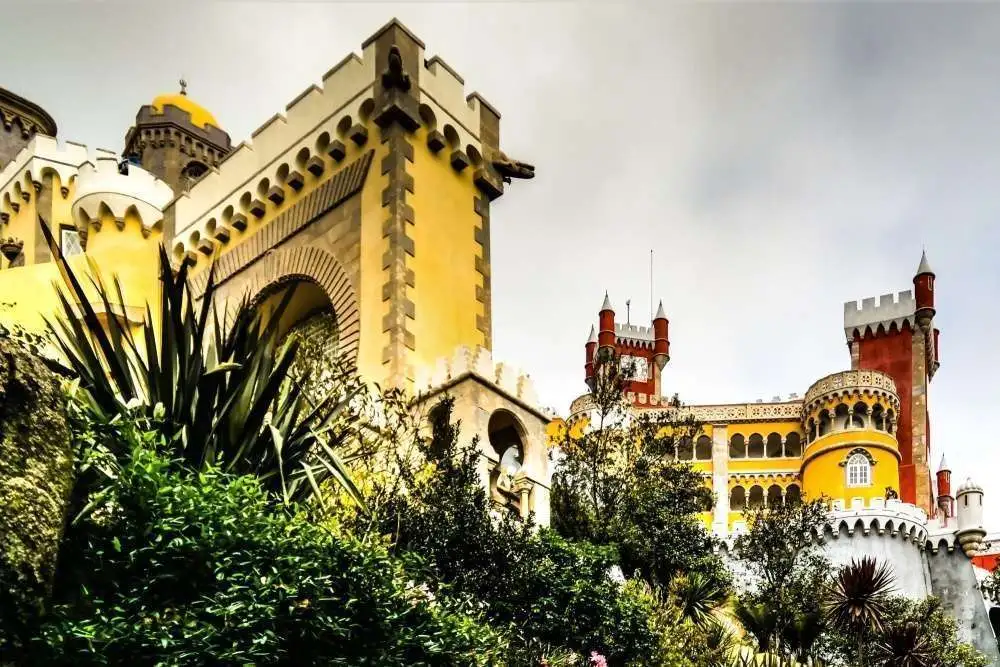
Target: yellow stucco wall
pixel 444 264
pixel 823 474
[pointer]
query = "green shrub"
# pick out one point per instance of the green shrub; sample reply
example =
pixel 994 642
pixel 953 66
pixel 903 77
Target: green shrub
pixel 544 588
pixel 187 568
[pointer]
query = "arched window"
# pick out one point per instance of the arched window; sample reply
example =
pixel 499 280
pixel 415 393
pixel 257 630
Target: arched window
pixel 824 423
pixel 859 470
pixel 756 499
pixel 859 415
pixel 737 447
pixel 774 497
pixel 793 495
pixel 793 444
pixel 773 446
pixel 737 499
pixel 755 446
pixel 685 449
pixel 878 418
pixel 842 417
pixel 703 448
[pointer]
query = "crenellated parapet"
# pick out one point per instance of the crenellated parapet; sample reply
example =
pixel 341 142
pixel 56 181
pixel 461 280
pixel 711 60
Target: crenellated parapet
pixel 886 312
pixel 103 189
pixel 478 362
pixel 327 124
pixel 26 175
pixel 20 120
pixel 725 413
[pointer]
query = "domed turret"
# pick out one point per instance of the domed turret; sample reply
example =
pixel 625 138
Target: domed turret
pixel 971 532
pixel 176 139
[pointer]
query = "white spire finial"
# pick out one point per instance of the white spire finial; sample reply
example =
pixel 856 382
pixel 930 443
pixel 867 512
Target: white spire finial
pixel 924 266
pixel 944 465
pixel 593 335
pixel 607 302
pixel 660 315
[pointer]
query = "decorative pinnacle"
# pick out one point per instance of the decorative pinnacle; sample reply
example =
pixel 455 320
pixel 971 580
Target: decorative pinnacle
pixel 184 86
pixel 944 467
pixel 593 335
pixel 925 266
pixel 607 303
pixel 660 315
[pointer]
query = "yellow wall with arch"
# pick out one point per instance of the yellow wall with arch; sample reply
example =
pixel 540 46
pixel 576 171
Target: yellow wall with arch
pixel 823 472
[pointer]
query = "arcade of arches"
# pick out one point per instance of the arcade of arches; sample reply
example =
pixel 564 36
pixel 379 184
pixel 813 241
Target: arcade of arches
pixel 757 497
pixel 758 447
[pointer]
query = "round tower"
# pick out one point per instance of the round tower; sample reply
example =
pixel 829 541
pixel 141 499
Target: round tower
pixel 923 290
pixel 606 321
pixel 851 453
pixel 661 338
pixel 121 207
pixel 591 348
pixel 944 498
pixel 176 139
pixel 21 120
pixel 969 501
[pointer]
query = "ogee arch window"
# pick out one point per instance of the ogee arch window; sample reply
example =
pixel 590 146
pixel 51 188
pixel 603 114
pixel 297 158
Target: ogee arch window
pixel 859 470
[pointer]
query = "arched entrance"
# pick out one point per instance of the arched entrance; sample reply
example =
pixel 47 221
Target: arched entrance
pixel 507 440
pixel 309 316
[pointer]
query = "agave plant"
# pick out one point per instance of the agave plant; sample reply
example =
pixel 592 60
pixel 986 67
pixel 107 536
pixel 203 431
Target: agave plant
pixel 220 392
pixel 856 601
pixel 697 596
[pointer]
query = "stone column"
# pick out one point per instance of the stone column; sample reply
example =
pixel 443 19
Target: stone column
pixel 720 479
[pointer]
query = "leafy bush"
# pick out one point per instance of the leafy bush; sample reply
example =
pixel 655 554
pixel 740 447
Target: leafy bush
pixel 175 567
pixel 540 587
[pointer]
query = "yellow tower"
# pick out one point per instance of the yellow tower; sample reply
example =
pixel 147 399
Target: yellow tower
pixel 373 194
pixel 851 454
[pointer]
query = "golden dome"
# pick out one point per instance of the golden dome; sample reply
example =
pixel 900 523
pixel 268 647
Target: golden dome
pixel 200 116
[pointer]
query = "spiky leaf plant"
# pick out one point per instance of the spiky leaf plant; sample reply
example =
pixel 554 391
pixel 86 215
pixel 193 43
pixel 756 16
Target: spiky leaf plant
pixel 221 392
pixel 856 601
pixel 905 645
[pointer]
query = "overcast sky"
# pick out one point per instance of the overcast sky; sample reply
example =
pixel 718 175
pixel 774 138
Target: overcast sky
pixel 779 159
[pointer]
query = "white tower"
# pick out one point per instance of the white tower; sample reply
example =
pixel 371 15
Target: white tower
pixel 969 509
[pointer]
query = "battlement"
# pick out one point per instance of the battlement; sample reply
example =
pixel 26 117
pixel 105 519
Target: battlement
pixel 149 116
pixel 101 188
pixel 319 119
pixel 852 383
pixel 634 332
pixel 885 310
pixel 718 414
pixel 478 362
pixel 43 155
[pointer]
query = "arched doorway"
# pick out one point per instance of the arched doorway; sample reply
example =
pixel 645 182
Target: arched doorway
pixel 507 440
pixel 309 317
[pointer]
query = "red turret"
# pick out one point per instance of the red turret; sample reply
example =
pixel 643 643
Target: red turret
pixel 661 338
pixel 591 351
pixel 923 290
pixel 945 500
pixel 606 321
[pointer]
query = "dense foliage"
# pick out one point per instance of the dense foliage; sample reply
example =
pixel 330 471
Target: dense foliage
pixel 180 568
pixel 618 483
pixel 540 587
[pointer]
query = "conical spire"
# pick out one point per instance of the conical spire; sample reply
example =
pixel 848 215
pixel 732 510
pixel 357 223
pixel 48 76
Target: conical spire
pixel 607 303
pixel 925 266
pixel 593 335
pixel 660 315
pixel 944 465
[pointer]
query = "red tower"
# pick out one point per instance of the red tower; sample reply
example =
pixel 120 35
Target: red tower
pixel 895 334
pixel 646 350
pixel 945 501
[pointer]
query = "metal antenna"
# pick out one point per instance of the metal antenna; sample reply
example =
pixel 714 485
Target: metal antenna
pixel 628 311
pixel 650 284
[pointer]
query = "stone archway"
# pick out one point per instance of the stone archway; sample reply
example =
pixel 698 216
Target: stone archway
pixel 275 267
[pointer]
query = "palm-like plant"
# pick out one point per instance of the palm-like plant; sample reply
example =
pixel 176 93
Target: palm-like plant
pixel 221 393
pixel 856 601
pixel 697 596
pixel 758 620
pixel 905 645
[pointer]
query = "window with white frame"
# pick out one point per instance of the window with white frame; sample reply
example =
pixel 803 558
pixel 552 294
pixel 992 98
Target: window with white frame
pixel 69 242
pixel 859 470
